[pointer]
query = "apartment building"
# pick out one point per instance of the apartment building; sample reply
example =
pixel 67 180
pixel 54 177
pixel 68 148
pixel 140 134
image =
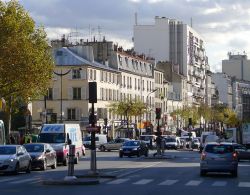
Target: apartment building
pixel 121 76
pixel 67 98
pixel 237 65
pixel 223 83
pixel 172 41
pixel 241 98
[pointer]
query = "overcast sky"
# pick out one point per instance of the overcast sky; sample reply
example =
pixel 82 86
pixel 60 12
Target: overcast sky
pixel 224 24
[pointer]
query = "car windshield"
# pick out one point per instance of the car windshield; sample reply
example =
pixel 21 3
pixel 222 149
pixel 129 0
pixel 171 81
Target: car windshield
pixel 88 138
pixel 7 150
pixel 131 143
pixel 52 137
pixel 146 138
pixel 219 149
pixel 170 139
pixel 34 148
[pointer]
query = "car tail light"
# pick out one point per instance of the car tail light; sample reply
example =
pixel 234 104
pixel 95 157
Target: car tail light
pixel 235 156
pixel 203 156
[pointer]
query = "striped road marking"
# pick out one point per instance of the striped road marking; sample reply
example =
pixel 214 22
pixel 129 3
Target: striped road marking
pixel 244 184
pixel 23 181
pixel 118 181
pixel 219 183
pixel 143 181
pixel 168 182
pixel 193 183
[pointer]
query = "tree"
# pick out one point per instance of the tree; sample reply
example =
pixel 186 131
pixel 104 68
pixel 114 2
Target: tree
pixel 26 64
pixel 128 108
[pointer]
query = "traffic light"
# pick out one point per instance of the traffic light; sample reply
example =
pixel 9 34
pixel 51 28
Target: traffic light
pixel 92 119
pixel 158 113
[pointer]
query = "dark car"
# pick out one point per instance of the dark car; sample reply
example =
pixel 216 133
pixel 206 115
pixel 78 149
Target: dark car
pixel 42 154
pixel 243 152
pixel 219 157
pixel 133 148
pixel 113 145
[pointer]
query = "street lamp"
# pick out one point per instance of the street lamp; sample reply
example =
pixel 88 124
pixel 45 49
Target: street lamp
pixel 61 74
pixel 147 106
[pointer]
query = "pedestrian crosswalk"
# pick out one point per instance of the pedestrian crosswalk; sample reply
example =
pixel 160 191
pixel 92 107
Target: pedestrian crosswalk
pixel 139 182
pixel 172 182
pixel 16 180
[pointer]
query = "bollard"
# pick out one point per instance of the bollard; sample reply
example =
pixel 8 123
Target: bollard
pixel 71 160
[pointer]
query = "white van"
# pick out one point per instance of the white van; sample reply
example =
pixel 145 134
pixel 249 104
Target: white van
pixel 204 136
pixel 60 136
pixel 99 140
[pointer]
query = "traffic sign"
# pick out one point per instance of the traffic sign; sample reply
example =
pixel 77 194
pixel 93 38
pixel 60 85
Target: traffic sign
pixel 93 129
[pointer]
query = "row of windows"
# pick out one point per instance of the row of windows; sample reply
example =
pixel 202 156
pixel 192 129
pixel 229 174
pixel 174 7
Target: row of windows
pixel 137 84
pixel 74 93
pixel 137 65
pixel 109 77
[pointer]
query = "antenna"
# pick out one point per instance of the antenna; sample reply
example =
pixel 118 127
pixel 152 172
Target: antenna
pixel 191 22
pixel 136 18
pixel 99 33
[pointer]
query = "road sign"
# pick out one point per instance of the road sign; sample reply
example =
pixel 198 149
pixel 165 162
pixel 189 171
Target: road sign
pixel 93 129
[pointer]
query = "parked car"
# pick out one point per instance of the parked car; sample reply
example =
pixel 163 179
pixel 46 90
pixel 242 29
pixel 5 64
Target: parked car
pixel 14 158
pixel 243 152
pixel 99 139
pixel 42 155
pixel 195 143
pixel 172 142
pixel 113 144
pixel 149 140
pixel 219 157
pixel 133 148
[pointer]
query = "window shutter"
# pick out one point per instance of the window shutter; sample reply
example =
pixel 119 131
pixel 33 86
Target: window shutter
pixel 83 74
pixel 78 113
pixel 55 94
pixel 83 93
pixel 70 74
pixel 70 93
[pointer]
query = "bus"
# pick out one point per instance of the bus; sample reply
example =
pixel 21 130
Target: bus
pixel 2 133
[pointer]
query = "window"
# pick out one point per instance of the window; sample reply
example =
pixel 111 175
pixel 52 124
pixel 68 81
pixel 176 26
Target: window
pixel 76 93
pixel 71 114
pixel 76 74
pixel 50 94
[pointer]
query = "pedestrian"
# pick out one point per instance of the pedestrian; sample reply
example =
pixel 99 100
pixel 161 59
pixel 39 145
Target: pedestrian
pixel 158 145
pixel 12 139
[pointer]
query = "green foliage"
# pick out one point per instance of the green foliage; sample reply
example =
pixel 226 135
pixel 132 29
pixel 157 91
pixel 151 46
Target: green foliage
pixel 128 108
pixel 26 63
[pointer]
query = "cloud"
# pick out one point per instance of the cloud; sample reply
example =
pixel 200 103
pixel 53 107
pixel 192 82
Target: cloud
pixel 224 24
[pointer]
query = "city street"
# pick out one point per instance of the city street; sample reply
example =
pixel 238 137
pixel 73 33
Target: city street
pixel 176 175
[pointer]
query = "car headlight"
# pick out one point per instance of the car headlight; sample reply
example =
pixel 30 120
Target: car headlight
pixel 40 157
pixel 120 148
pixel 9 160
pixel 135 148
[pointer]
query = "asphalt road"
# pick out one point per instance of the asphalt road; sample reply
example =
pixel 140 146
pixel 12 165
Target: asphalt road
pixel 178 175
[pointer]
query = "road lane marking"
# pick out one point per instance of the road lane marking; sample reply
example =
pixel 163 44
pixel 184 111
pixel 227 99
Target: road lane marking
pixel 244 184
pixel 168 182
pixel 193 183
pixel 143 181
pixel 118 181
pixel 219 183
pixel 22 181
pixel 136 170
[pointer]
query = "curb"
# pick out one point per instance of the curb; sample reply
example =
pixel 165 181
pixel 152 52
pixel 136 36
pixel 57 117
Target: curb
pixel 96 176
pixel 71 182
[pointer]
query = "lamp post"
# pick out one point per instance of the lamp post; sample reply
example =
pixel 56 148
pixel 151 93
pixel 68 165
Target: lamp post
pixel 61 74
pixel 147 107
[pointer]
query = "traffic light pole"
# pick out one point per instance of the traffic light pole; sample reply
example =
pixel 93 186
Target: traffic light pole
pixel 93 146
